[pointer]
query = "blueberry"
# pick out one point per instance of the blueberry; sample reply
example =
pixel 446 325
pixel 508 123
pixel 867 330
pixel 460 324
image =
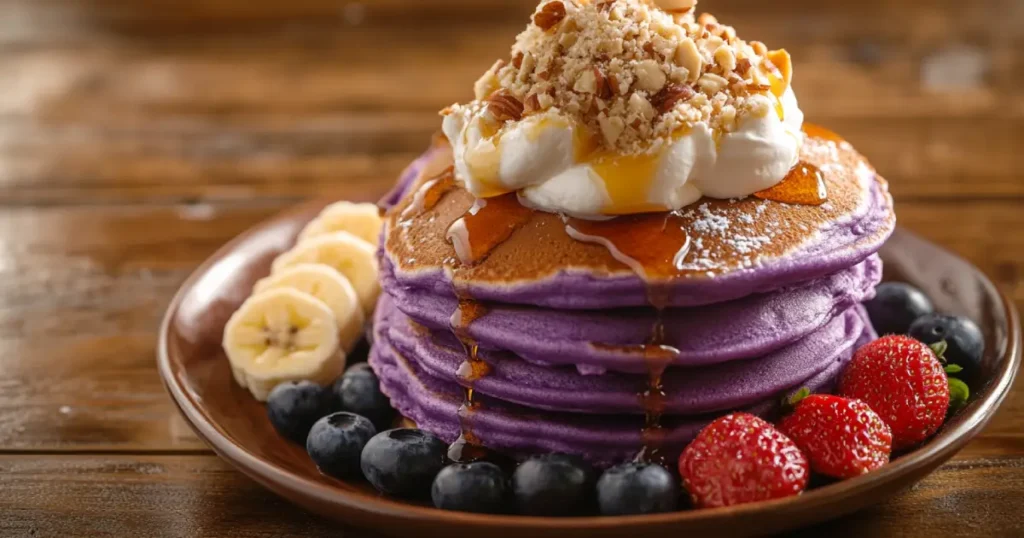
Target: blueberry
pixel 896 305
pixel 479 487
pixel 336 442
pixel 554 485
pixel 637 488
pixel 403 462
pixel 293 407
pixel 358 391
pixel 964 341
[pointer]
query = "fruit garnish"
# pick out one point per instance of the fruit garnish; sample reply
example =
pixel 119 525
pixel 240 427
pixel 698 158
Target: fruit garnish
pixel 740 458
pixel 554 485
pixel 283 335
pixel 959 393
pixel 479 487
pixel 635 488
pixel 331 288
pixel 895 307
pixel 903 381
pixel 403 462
pixel 360 220
pixel 336 442
pixel 294 407
pixel 843 438
pixel 346 253
pixel 358 391
pixel 965 344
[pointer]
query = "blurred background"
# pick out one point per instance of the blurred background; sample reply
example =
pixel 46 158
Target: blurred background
pixel 227 99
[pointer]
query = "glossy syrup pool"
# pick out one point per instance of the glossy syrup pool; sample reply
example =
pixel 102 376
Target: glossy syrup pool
pixel 487 225
pixel 804 185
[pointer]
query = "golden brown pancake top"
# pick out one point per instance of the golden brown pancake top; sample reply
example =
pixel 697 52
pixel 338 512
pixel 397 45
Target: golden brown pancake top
pixel 725 235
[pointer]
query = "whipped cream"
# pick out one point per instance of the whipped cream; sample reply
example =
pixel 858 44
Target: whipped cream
pixel 627 107
pixel 541 157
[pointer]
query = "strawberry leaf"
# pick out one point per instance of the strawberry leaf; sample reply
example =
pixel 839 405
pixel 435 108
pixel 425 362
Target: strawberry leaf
pixel 958 394
pixel 939 349
pixel 790 401
pixel 954 369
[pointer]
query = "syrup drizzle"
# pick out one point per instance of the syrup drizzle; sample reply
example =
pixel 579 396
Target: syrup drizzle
pixel 467 447
pixel 655 247
pixel 430 193
pixel 488 224
pixel 804 185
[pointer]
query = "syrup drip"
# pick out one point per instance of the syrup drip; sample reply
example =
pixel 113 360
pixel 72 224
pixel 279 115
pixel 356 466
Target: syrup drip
pixel 486 226
pixel 655 247
pixel 804 185
pixel 431 193
pixel 467 447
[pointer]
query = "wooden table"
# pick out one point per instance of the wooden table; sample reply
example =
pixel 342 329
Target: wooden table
pixel 137 137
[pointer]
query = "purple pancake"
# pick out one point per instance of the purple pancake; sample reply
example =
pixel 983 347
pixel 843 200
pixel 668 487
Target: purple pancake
pixel 434 405
pixel 689 391
pixel 743 328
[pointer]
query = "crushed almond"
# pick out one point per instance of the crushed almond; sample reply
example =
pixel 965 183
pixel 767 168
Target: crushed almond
pixel 632 72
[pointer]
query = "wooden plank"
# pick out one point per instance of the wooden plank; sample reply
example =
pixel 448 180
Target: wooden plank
pixel 83 289
pixel 127 112
pixel 324 69
pixel 357 153
pixel 159 496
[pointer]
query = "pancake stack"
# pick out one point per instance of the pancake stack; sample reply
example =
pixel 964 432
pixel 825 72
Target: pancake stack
pixel 527 332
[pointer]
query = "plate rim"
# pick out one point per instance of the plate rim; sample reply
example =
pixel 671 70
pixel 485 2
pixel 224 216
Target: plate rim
pixel 932 454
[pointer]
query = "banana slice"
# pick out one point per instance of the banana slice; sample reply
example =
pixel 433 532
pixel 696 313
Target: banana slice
pixel 329 286
pixel 282 335
pixel 352 257
pixel 360 220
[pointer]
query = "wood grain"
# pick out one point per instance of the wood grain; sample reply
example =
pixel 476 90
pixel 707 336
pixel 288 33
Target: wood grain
pixel 202 496
pixel 136 137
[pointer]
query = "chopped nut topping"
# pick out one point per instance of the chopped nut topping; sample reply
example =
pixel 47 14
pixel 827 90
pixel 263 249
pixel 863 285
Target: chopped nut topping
pixel 550 15
pixel 649 76
pixel 676 5
pixel 667 98
pixel 488 83
pixel 688 57
pixel 503 106
pixel 635 71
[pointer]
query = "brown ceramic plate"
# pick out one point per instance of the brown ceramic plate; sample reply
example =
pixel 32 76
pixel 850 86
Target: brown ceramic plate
pixel 235 425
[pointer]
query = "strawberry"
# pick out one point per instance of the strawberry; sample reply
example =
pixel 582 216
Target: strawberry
pixel 740 458
pixel 843 438
pixel 903 381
